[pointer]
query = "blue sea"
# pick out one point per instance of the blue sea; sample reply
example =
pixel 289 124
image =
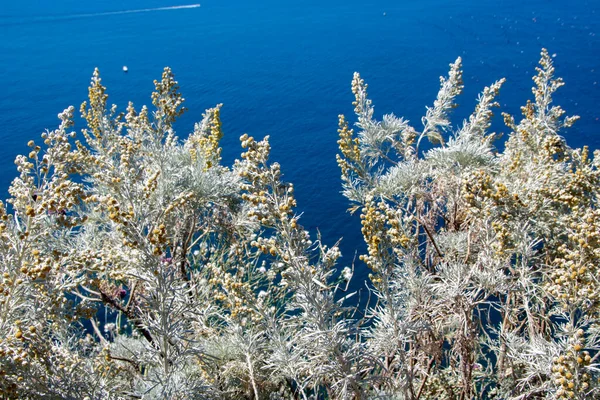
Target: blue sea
pixel 283 68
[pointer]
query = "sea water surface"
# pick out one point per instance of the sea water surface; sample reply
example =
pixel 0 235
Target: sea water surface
pixel 283 68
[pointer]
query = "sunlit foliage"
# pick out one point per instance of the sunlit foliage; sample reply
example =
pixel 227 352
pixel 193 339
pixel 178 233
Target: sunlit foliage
pixel 135 265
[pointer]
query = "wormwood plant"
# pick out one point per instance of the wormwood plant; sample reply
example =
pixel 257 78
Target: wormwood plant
pixel 484 263
pixel 135 265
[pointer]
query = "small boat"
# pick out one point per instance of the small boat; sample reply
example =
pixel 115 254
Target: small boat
pixel 125 69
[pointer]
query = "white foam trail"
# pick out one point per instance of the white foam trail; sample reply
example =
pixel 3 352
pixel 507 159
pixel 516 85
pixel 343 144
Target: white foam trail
pixel 101 14
pixel 42 19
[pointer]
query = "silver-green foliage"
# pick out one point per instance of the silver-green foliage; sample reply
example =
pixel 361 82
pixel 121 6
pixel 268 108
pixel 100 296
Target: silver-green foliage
pixel 135 265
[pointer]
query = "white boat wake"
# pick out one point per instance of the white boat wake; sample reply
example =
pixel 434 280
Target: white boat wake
pixel 101 14
pixel 19 21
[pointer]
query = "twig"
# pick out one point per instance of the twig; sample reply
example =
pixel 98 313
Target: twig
pixel 138 325
pixel 102 339
pixel 251 373
pixel 135 364
pixel 127 306
pixel 422 386
pixel 432 240
pixel 468 247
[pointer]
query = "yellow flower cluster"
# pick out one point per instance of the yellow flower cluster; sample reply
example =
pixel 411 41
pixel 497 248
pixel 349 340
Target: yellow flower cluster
pixel 179 201
pixel 138 124
pixel 349 146
pixel 151 184
pixel 104 365
pixel 206 137
pixel 158 238
pixel 382 231
pixel 167 99
pixel 569 369
pixel 273 200
pixel 114 210
pixel 38 268
pixel 129 150
pixel 554 147
pixel 94 115
pixel 373 227
pixel 577 186
pixel 19 348
pixel 359 88
pixel 258 152
pixel 489 198
pixel 445 384
pixel 233 291
pixel 477 185
pixel 573 278
pixel 266 245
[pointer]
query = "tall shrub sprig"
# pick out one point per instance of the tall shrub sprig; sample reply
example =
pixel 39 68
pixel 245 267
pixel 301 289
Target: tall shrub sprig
pixel 482 260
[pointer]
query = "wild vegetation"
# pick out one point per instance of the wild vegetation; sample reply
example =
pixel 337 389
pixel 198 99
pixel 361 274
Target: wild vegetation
pixel 135 265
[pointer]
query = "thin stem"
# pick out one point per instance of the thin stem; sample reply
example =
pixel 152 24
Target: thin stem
pixel 251 373
pixel 422 386
pixel 98 333
pixel 429 235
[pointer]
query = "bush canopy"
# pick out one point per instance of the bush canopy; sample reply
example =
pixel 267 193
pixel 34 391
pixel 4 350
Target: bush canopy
pixel 136 266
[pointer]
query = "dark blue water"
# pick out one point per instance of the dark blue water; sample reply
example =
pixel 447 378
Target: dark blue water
pixel 283 68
